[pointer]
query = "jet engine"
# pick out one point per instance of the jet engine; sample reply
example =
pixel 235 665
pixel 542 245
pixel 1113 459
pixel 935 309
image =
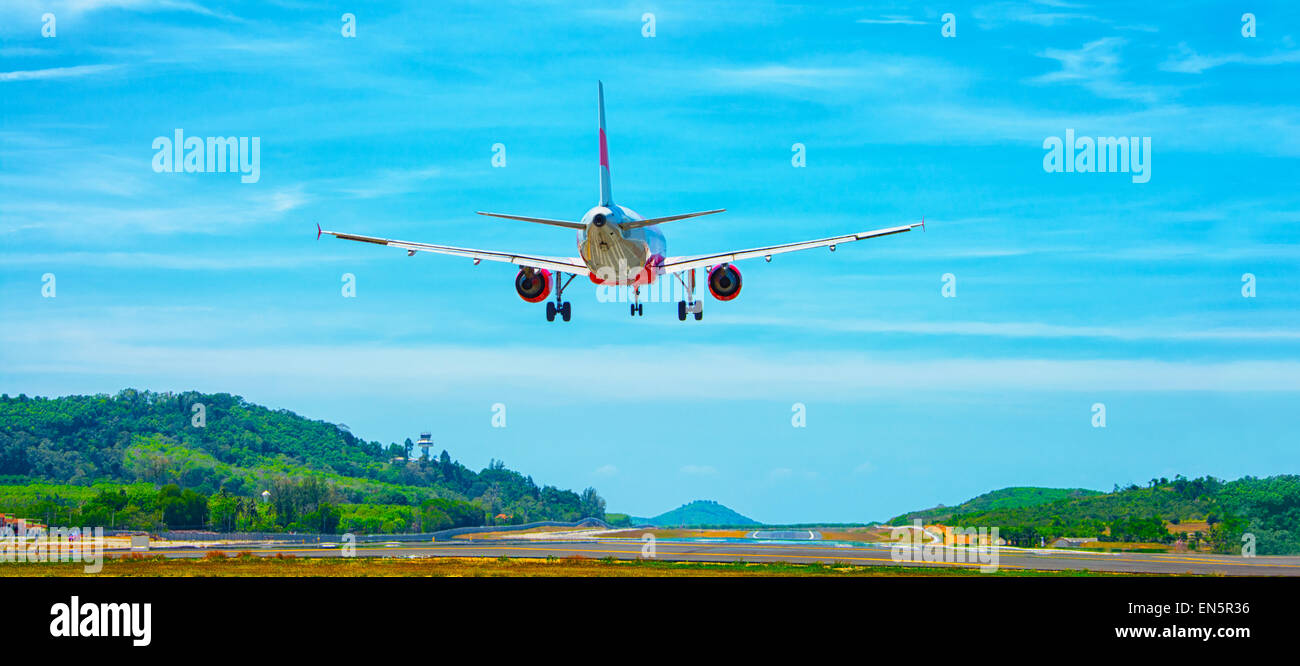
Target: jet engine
pixel 724 282
pixel 533 284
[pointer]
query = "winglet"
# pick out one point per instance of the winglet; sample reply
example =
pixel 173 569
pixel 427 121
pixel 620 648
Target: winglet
pixel 922 224
pixel 318 232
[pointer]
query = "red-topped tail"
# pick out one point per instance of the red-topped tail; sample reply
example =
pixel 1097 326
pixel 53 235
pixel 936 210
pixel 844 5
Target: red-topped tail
pixel 606 198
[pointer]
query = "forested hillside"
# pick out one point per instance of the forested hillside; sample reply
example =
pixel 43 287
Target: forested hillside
pixel 153 460
pixel 1005 498
pixel 1268 509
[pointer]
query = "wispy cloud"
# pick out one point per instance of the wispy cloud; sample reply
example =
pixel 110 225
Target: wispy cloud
pixel 179 261
pixel 1033 330
pixel 893 20
pixel 1095 67
pixel 739 374
pixel 1187 61
pixel 864 74
pixel 785 75
pixel 56 73
pixel 1043 13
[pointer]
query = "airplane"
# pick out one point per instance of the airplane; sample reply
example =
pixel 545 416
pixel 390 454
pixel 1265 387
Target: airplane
pixel 619 247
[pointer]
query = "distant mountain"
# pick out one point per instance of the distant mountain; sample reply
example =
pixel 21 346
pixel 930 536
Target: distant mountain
pixel 1006 498
pixel 699 513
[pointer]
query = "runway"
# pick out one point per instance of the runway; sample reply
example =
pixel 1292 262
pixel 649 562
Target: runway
pixel 673 550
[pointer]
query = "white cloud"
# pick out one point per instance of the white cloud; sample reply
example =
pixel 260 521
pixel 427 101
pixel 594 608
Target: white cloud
pixel 606 470
pixel 55 72
pixel 1029 329
pixel 785 75
pixel 180 261
pixel 1187 61
pixel 892 20
pixel 1096 67
pixel 999 13
pixel 87 349
pixel 863 74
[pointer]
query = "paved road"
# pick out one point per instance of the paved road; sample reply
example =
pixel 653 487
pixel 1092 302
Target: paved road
pixel 673 550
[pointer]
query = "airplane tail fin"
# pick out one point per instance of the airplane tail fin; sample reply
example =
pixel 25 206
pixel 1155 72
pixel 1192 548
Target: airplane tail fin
pixel 606 198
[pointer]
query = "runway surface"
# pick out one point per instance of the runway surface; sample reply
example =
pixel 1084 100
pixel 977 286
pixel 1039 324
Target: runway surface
pixel 1009 559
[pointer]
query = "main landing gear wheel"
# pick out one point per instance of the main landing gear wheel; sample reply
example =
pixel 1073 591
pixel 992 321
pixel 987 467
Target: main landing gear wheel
pixel 681 310
pixel 699 314
pixel 565 310
pixel 559 305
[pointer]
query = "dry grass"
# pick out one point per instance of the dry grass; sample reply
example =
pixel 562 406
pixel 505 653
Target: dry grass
pixel 1188 526
pixel 1124 545
pixel 249 566
pixel 478 536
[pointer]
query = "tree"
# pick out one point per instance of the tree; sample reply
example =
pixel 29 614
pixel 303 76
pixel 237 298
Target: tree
pixel 222 511
pixel 593 505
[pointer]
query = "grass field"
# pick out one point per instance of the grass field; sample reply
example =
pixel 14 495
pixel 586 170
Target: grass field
pixel 452 566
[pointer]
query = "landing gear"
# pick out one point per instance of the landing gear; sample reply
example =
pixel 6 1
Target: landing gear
pixel 636 309
pixel 693 306
pixel 559 305
pixel 696 308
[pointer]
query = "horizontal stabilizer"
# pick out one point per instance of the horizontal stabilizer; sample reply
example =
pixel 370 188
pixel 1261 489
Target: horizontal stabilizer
pixel 537 220
pixel 660 220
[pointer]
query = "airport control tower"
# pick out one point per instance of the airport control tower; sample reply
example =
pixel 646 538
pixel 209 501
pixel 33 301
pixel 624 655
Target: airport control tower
pixel 426 440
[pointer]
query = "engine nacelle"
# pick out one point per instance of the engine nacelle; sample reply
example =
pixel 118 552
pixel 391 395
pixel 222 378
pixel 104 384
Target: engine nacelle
pixel 536 288
pixel 724 282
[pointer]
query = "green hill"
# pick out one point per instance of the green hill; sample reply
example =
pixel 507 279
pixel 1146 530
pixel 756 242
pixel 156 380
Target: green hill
pixel 144 460
pixel 700 513
pixel 1222 513
pixel 1006 498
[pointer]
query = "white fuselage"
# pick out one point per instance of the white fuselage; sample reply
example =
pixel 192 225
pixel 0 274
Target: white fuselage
pixel 620 256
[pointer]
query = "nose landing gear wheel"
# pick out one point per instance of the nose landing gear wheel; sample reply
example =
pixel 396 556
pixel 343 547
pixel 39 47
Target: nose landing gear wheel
pixel 636 309
pixel 696 308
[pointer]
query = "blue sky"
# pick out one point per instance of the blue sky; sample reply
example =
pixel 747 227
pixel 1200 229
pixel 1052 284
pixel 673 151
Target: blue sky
pixel 1072 288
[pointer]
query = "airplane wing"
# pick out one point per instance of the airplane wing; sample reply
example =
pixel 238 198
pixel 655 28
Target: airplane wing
pixel 566 264
pixel 678 264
